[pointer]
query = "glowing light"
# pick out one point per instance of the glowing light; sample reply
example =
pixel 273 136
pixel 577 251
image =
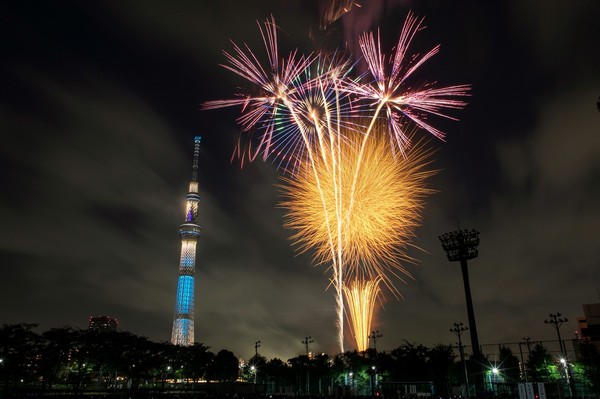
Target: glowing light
pixel 188 256
pixel 183 331
pixel 185 295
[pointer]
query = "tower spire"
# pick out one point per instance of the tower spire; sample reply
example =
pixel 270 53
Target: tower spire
pixel 183 320
pixel 196 156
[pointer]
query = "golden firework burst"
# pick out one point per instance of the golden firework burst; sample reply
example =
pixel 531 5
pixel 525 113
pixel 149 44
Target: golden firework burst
pixel 366 207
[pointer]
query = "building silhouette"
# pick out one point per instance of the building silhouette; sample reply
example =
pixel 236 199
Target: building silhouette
pixel 589 325
pixel 189 231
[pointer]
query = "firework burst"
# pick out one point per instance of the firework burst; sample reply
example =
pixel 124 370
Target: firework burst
pixel 389 88
pixel 376 228
pixel 349 196
pixel 361 296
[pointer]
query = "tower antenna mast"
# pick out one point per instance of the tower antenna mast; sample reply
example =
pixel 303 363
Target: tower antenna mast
pixel 183 320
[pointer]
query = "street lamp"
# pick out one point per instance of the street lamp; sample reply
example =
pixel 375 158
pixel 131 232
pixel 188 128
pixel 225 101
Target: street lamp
pixel 493 371
pixel 253 370
pixel 373 380
pixel 461 246
pixel 458 329
pixel 556 321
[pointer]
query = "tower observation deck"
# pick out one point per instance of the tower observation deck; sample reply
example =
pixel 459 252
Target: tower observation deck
pixel 189 231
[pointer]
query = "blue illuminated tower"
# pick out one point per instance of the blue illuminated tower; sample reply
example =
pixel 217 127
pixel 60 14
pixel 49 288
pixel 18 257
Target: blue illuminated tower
pixel 183 321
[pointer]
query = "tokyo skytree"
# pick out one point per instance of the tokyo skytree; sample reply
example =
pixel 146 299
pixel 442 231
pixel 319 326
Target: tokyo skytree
pixel 189 231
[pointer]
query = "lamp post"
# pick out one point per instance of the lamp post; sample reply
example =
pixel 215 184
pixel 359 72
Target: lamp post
pixel 458 329
pixel 461 246
pixel 374 335
pixel 556 321
pixel 307 340
pixel 493 371
pixel 373 380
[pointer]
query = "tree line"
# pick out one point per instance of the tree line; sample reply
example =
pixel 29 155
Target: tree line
pixel 73 359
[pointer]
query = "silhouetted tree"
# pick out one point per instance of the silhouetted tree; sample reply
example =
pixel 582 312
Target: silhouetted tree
pixel 440 363
pixel 198 361
pixel 540 365
pixel 18 349
pixel 224 368
pixel 276 371
pixel 54 350
pixel 322 370
pixel 589 360
pixel 410 362
pixel 509 365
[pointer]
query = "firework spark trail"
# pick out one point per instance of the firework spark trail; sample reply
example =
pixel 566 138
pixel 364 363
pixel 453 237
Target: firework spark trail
pixel 311 115
pixel 361 296
pixel 388 91
pixel 374 234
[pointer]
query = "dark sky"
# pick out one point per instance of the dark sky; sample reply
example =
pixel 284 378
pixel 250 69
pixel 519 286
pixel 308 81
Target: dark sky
pixel 99 104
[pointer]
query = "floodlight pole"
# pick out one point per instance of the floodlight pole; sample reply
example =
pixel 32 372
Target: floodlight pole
pixel 461 246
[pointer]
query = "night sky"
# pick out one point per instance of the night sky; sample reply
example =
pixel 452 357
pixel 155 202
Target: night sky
pixel 99 105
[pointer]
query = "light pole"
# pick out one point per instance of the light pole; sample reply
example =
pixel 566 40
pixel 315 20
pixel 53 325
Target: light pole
pixel 307 340
pixel 526 341
pixel 493 371
pixel 373 380
pixel 458 329
pixel 461 246
pixel 556 321
pixel 253 368
pixel 374 335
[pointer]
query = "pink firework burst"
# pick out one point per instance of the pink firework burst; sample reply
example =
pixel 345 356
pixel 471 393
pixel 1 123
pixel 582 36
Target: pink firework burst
pixel 390 91
pixel 265 109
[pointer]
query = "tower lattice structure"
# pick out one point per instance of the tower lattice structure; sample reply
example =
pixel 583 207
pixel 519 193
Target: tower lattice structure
pixel 189 231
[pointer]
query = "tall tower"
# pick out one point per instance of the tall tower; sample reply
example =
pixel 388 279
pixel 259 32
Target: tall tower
pixel 189 231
